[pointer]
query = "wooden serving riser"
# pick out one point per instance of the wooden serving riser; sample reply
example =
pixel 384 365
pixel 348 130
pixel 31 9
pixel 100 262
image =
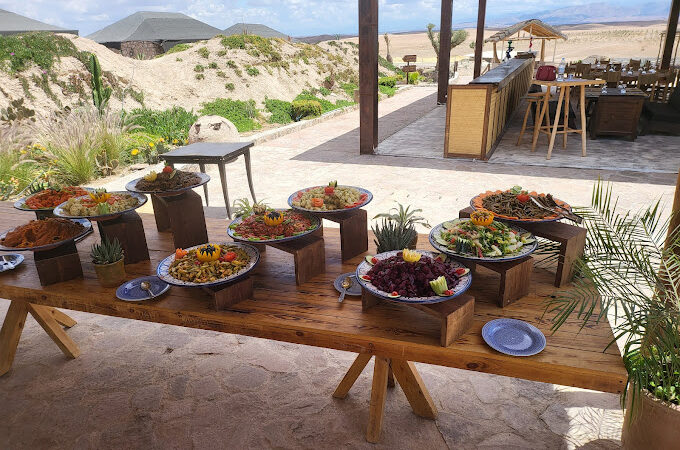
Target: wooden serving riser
pixel 353 231
pixel 455 315
pixel 226 295
pixel 515 277
pixel 58 264
pixel 309 254
pixel 129 231
pixel 572 240
pixel 183 216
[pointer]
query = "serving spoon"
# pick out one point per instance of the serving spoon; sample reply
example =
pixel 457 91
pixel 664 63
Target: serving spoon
pixel 557 209
pixel 147 287
pixel 346 284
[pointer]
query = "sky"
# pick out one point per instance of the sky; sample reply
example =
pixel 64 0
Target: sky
pixel 311 17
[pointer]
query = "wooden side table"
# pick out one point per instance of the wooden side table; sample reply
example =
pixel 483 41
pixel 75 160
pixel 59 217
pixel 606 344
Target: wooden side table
pixel 219 153
pixel 564 95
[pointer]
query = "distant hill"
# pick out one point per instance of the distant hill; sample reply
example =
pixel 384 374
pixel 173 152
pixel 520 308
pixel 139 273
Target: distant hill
pixel 323 37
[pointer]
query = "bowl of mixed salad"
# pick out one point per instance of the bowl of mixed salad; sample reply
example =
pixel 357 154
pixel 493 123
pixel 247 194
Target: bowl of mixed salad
pixel 329 199
pixel 482 238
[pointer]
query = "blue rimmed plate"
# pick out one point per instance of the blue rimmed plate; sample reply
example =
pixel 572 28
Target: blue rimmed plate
pixel 133 292
pixel 513 337
pixel 525 251
pixel 354 289
pixel 21 203
pixel 10 262
pixel 231 229
pixel 163 270
pixel 132 186
pixel 462 286
pixel 87 228
pixel 141 199
pixel 362 191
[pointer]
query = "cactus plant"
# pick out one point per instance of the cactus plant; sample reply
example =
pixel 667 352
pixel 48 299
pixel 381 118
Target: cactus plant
pixel 100 94
pixel 108 251
pixel 389 235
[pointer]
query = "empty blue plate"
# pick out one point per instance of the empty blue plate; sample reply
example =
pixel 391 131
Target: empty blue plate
pixel 513 337
pixel 132 291
pixel 9 262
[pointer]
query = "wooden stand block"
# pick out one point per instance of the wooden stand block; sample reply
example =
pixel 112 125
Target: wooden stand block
pixel 229 294
pixel 455 315
pixel 183 216
pixel 129 230
pixel 572 240
pixel 40 215
pixel 515 278
pixel 309 254
pixel 58 264
pixel 353 231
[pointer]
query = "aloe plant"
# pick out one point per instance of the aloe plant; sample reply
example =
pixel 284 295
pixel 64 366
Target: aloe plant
pixel 630 273
pixel 390 235
pixel 404 217
pixel 100 94
pixel 107 252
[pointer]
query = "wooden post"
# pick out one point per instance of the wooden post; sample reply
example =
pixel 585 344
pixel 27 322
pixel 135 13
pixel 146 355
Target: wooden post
pixel 671 29
pixel 675 213
pixel 444 51
pixel 479 43
pixel 495 54
pixel 542 60
pixel 368 76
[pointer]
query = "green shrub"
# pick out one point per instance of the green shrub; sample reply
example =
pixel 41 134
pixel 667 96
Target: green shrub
pixel 41 49
pixel 256 45
pixel 178 59
pixel 221 74
pixel 387 81
pixel 413 77
pixel 222 53
pixel 212 65
pixel 242 114
pixel 230 86
pixel 324 91
pixel 252 71
pixel 199 68
pixel 389 91
pixel 171 124
pixel 231 64
pixel 281 111
pixel 301 109
pixel 349 89
pixel 200 76
pixel 388 65
pixel 325 104
pixel 204 52
pixel 178 48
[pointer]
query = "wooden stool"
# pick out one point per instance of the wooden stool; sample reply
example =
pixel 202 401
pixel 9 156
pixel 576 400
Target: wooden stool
pixel 533 99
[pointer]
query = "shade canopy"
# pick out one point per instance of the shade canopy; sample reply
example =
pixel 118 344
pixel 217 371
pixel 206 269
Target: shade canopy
pixel 256 29
pixel 536 28
pixel 155 27
pixel 12 23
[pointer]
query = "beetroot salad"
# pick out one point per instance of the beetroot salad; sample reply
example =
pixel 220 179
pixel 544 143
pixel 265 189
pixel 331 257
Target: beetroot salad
pixel 412 279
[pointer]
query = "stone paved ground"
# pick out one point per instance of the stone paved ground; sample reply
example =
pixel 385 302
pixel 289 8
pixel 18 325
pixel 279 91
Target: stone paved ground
pixel 142 385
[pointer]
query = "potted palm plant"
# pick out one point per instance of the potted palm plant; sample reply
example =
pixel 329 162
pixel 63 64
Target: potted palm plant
pixel 630 273
pixel 401 221
pixel 109 265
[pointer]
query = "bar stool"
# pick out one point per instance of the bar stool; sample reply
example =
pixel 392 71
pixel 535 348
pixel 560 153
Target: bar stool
pixel 533 99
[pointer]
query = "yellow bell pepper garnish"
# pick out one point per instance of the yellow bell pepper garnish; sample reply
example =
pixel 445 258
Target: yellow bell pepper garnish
pixel 151 176
pixel 410 256
pixel 208 252
pixel 273 218
pixel 100 196
pixel 482 218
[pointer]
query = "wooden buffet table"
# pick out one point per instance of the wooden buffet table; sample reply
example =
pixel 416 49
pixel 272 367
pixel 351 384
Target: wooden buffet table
pixel 310 314
pixel 564 95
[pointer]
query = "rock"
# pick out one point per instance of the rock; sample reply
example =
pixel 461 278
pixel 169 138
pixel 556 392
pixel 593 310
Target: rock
pixel 213 129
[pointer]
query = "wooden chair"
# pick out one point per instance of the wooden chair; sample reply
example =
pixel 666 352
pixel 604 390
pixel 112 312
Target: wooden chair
pixel 647 83
pixel 533 100
pixel 634 64
pixel 667 80
pixel 647 65
pixel 582 69
pixel 613 78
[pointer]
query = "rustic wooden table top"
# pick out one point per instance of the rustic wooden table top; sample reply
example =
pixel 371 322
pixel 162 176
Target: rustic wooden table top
pixel 567 82
pixel 310 314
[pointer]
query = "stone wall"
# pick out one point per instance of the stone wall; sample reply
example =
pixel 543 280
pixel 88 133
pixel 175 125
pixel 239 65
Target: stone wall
pixel 143 49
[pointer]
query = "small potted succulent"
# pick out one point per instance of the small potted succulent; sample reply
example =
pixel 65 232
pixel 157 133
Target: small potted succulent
pixel 107 257
pixel 398 227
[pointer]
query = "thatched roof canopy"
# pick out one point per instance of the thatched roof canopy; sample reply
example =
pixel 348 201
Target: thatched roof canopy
pixel 534 27
pixel 11 23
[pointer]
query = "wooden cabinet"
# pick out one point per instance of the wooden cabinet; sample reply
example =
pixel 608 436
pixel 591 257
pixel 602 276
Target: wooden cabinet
pixel 616 115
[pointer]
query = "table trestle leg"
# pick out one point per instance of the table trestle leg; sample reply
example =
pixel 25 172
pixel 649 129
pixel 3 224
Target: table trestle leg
pixel 62 319
pixel 43 315
pixel 205 186
pixel 10 333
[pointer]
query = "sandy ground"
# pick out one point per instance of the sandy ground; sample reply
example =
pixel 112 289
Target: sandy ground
pixel 614 41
